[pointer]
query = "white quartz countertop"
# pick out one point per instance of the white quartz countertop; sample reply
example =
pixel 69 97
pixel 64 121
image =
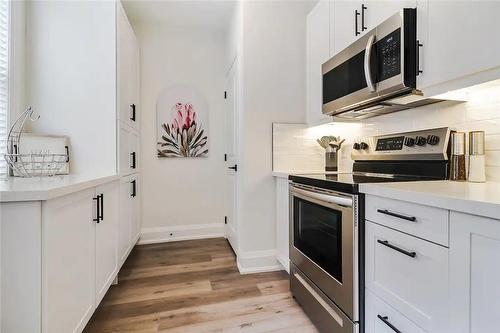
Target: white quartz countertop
pixel 474 198
pixel 37 189
pixel 285 174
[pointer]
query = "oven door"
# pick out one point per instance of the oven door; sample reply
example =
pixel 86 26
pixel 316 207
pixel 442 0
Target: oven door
pixel 324 243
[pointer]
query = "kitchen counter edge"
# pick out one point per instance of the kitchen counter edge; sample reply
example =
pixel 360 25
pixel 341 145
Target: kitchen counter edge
pixel 40 189
pixel 482 199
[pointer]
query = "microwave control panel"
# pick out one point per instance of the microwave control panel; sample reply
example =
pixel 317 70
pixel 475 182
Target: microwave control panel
pixel 389 55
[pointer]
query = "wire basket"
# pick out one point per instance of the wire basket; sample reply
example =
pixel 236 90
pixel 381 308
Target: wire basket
pixel 40 164
pixel 36 165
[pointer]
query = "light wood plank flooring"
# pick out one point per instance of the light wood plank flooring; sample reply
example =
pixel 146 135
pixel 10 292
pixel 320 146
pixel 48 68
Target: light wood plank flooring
pixel 195 286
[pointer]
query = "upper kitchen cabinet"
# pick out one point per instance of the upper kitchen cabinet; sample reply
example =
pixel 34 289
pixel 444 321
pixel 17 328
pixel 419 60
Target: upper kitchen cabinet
pixel 350 20
pixel 318 52
pixel 459 49
pixel 127 71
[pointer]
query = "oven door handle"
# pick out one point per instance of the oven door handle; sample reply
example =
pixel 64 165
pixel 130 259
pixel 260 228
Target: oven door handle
pixel 368 71
pixel 324 197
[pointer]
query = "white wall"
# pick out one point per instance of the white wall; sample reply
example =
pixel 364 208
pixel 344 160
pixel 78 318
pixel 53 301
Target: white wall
pixel 273 84
pixel 71 78
pixel 180 195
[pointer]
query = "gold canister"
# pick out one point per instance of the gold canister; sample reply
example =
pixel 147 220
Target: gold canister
pixel 458 167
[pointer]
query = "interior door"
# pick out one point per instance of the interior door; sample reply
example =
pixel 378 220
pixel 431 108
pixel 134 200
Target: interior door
pixel 231 155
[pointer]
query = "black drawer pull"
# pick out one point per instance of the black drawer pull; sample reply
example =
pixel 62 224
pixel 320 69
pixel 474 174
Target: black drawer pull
pixel 386 321
pixel 363 8
pixel 98 204
pixel 399 216
pixel 134 188
pixel 102 206
pixel 356 14
pixel 132 155
pixel 400 250
pixel 132 111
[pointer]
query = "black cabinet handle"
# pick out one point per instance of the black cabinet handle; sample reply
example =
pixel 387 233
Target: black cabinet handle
pixel 363 9
pixel 399 216
pixel 417 60
pixel 98 210
pixel 102 206
pixel 400 250
pixel 235 167
pixel 132 111
pixel 356 14
pixel 132 154
pixel 386 321
pixel 134 189
pixel 67 153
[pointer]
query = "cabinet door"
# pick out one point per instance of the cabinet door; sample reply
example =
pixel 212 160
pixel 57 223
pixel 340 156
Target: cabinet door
pixel 461 41
pixel 380 317
pixel 318 52
pixel 125 222
pixel 133 151
pixel 123 149
pixel 135 208
pixel 68 262
pixel 343 24
pixel 124 65
pixel 378 11
pixel 398 270
pixel 135 117
pixel 107 238
pixel 474 282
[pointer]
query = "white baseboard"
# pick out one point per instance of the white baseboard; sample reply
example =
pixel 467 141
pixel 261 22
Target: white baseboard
pixel 258 262
pixel 181 232
pixel 285 262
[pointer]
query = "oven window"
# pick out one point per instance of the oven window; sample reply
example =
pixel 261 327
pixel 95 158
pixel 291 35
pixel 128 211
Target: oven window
pixel 318 234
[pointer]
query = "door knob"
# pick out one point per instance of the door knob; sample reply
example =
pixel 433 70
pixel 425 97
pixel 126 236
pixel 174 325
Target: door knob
pixel 235 167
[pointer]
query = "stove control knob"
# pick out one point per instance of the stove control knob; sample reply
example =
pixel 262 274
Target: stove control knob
pixel 420 141
pixel 363 145
pixel 409 142
pixel 356 146
pixel 432 140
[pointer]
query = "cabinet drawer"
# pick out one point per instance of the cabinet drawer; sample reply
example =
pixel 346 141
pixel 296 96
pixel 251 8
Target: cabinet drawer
pixel 380 317
pixel 408 273
pixel 421 221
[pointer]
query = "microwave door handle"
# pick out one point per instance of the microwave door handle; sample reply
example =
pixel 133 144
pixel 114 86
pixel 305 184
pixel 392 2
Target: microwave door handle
pixel 368 53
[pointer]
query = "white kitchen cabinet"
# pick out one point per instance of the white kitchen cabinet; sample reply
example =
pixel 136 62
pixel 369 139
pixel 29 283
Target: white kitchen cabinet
pixel 380 317
pixel 282 222
pixel 68 264
pixel 474 273
pixel 318 52
pixel 129 228
pixel 128 150
pixel 106 240
pixel 378 11
pixel 127 71
pixel 459 48
pixel 410 274
pixel 346 23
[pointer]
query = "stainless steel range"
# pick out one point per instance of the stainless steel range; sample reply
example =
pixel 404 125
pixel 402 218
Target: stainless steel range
pixel 327 222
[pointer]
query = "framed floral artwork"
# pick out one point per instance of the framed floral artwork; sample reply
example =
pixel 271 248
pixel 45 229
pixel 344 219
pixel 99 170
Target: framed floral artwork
pixel 182 123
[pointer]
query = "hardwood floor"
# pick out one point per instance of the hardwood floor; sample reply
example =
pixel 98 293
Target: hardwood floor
pixel 195 286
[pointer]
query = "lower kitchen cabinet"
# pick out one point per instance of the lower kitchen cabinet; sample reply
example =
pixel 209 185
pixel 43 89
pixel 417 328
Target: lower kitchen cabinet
pixel 474 273
pixel 380 317
pixel 106 242
pixel 59 257
pixel 68 265
pixel 129 228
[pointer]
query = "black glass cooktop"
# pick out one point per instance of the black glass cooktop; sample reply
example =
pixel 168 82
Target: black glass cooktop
pixel 348 182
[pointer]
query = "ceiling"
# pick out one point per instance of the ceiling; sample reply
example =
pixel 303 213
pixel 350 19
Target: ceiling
pixel 204 14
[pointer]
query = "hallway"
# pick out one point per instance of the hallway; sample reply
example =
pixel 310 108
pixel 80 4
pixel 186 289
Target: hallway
pixel 195 286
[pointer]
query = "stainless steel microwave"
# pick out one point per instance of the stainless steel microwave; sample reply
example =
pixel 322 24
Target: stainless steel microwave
pixel 377 74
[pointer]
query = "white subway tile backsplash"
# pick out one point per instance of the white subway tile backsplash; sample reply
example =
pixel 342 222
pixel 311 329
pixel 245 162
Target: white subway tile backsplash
pixel 492 142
